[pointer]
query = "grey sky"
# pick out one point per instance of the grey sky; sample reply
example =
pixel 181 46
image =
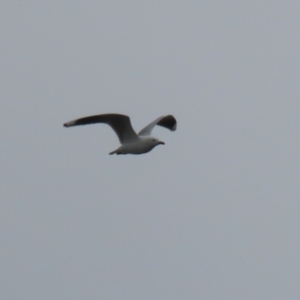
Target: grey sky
pixel 213 214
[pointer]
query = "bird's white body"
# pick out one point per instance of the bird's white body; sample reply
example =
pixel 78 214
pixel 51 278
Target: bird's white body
pixel 142 145
pixel 131 142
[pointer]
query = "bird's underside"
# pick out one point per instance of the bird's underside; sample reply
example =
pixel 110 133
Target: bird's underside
pixel 131 143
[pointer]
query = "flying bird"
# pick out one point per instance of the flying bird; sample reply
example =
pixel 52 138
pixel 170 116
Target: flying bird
pixel 131 143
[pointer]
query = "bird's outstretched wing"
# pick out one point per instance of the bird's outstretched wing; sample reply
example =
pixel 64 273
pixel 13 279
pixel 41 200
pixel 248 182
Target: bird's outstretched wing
pixel 164 121
pixel 119 123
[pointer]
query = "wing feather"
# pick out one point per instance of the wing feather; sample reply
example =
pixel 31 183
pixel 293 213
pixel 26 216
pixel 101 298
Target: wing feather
pixel 119 123
pixel 164 121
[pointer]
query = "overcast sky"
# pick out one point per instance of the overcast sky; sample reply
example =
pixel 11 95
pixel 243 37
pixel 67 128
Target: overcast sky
pixel 214 214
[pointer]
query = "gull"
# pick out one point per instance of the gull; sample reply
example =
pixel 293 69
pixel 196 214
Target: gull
pixel 131 143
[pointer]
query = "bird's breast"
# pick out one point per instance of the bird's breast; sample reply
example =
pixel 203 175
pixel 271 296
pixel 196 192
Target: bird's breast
pixel 139 147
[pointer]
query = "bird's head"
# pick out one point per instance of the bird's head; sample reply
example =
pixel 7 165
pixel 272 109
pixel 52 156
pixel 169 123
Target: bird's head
pixel 156 142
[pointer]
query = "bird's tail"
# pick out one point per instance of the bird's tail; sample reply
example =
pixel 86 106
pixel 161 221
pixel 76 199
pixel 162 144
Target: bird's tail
pixel 116 152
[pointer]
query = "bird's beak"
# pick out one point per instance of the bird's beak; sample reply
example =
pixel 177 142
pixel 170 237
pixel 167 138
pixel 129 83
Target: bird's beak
pixel 161 143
